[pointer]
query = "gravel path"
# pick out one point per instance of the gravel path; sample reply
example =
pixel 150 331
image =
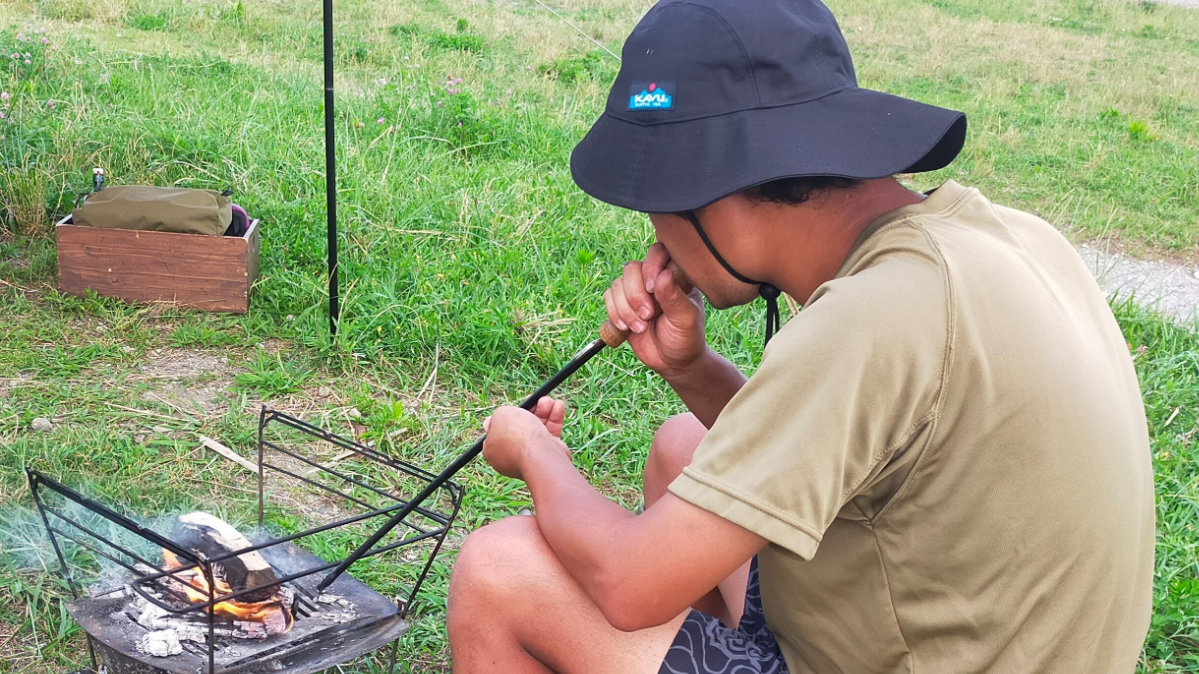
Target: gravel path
pixel 1170 288
pixel 1180 3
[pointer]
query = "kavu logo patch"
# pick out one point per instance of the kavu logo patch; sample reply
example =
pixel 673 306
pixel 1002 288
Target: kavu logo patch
pixel 652 96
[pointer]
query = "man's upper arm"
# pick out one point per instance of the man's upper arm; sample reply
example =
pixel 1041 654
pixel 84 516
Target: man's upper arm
pixel 677 552
pixel 842 387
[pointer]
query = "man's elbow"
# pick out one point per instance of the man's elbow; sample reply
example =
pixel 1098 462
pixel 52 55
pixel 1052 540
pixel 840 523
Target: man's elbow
pixel 626 618
pixel 625 607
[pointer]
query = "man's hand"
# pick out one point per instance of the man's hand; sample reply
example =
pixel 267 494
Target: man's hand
pixel 514 435
pixel 667 325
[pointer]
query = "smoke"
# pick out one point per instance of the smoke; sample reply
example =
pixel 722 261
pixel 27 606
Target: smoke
pixel 25 544
pixel 92 559
pixel 23 540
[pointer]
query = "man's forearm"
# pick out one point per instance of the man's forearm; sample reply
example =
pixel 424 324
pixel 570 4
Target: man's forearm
pixel 578 522
pixel 640 571
pixel 707 386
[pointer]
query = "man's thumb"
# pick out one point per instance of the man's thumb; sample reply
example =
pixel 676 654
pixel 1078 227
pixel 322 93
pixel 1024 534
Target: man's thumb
pixel 674 302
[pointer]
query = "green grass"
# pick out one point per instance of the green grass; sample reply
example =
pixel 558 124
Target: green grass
pixel 472 266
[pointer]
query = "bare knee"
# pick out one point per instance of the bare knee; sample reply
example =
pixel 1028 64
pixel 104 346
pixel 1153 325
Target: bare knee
pixel 670 452
pixel 491 567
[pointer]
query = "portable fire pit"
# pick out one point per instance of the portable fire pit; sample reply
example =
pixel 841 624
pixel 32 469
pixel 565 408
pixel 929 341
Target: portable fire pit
pixel 200 596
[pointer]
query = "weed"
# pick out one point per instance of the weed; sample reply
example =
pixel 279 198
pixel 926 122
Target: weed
pixel 235 13
pixel 578 67
pixel 149 22
pixel 405 29
pixel 1139 131
pixel 271 376
pixel 460 42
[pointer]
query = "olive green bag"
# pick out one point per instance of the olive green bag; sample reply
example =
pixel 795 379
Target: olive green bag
pixel 162 209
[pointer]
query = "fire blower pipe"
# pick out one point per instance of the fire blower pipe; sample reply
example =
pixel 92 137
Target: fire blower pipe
pixel 610 336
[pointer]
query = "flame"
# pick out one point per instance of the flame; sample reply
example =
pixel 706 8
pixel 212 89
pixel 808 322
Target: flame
pixel 195 585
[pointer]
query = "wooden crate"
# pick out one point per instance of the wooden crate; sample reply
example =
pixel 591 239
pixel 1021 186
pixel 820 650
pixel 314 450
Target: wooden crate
pixel 213 273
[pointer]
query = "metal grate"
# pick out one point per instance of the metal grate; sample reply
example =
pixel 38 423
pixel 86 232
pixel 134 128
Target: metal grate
pixel 354 489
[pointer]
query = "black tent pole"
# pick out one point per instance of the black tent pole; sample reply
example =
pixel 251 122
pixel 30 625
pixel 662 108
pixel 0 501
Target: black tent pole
pixel 330 170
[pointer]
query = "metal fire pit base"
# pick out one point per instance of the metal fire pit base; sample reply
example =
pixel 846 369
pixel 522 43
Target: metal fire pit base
pixel 311 645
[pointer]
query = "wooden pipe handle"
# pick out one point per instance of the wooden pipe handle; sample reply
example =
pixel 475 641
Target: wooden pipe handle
pixel 614 336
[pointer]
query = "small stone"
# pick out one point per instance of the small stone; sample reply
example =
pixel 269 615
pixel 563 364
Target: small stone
pixel 525 511
pixel 42 424
pixel 128 349
pixel 354 413
pixel 324 392
pixel 1195 274
pixel 162 430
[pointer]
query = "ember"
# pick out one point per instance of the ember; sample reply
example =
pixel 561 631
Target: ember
pixel 275 615
pixel 210 537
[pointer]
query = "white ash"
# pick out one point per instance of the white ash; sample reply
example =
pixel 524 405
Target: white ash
pixel 326 598
pixel 101 590
pixel 160 644
pixel 157 619
pixel 193 627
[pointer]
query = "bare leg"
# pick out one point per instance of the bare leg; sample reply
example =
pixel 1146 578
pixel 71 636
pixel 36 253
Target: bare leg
pixel 514 608
pixel 671 451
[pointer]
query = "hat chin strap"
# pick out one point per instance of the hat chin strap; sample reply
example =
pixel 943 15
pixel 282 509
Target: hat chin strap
pixel 765 290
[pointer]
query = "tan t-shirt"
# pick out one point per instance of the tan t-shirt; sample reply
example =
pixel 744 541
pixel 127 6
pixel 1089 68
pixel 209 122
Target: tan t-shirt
pixel 947 451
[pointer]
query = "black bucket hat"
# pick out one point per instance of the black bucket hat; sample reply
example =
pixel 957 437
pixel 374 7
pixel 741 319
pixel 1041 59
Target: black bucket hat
pixel 716 96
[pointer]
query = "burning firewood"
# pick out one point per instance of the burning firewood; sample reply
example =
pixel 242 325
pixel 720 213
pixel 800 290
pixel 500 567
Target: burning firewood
pixel 263 612
pixel 211 537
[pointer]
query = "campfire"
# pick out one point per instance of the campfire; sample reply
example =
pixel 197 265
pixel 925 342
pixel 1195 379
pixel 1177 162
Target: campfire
pixel 206 598
pixel 261 613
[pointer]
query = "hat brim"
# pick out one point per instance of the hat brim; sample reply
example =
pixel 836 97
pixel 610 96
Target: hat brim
pixel 668 167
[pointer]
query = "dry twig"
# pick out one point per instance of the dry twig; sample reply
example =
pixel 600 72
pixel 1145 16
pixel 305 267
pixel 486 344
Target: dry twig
pixel 228 454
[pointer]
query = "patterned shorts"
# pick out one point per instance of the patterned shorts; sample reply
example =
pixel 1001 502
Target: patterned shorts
pixel 705 646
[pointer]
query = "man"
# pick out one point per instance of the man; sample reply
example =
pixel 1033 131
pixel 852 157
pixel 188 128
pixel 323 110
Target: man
pixel 942 463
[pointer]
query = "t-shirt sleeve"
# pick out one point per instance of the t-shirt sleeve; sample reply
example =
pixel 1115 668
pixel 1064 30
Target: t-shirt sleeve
pixel 845 383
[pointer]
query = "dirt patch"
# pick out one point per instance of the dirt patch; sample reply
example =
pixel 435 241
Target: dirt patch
pixel 15 651
pixel 189 381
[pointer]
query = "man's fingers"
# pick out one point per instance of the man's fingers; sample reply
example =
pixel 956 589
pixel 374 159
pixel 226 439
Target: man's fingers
pixel 623 310
pixel 613 314
pixel 544 409
pixel 634 291
pixel 656 259
pixel 556 418
pixel 486 424
pixel 552 413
